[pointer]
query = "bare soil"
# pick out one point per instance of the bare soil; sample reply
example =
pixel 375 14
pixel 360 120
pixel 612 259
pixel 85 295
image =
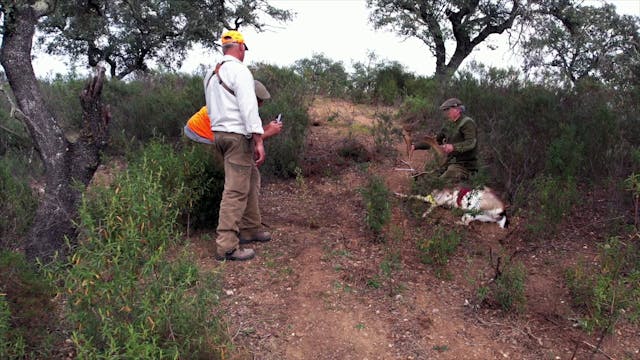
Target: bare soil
pixel 324 289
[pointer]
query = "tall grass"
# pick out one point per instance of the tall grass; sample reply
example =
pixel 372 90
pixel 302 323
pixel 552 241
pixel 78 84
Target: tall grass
pixel 17 202
pixel 132 292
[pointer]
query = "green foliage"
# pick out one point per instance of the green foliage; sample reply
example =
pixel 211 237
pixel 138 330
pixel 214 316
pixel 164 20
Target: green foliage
pixel 352 149
pixel 551 198
pixel 128 36
pixel 324 76
pixel 13 133
pixel 434 24
pixel 586 41
pixel 130 293
pixel 509 287
pixel 438 248
pixel 390 84
pixel 62 94
pixel 204 176
pixel 385 135
pixel 632 184
pixel 564 154
pixel 152 106
pixel 17 202
pixel 375 196
pixel 363 78
pixel 608 291
pixel 289 96
pixel 27 310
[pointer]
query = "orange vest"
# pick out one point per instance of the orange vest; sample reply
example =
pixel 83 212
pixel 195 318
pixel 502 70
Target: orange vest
pixel 200 124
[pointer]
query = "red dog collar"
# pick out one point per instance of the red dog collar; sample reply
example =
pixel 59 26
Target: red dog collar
pixel 461 193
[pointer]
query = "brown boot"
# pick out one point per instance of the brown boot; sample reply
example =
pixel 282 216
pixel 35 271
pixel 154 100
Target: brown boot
pixel 259 236
pixel 237 255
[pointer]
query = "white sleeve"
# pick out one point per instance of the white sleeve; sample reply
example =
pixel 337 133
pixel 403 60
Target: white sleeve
pixel 247 102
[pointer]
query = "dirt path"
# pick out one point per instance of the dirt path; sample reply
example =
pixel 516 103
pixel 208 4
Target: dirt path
pixel 322 289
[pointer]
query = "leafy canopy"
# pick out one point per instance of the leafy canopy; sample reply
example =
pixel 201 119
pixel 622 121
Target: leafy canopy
pixel 436 22
pixel 129 35
pixel 571 43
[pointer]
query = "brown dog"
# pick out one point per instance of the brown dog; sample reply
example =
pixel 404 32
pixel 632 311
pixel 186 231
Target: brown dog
pixel 478 204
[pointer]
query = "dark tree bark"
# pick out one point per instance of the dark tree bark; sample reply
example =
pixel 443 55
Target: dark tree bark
pixel 68 166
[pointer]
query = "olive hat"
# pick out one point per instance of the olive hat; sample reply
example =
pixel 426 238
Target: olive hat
pixel 451 103
pixel 261 91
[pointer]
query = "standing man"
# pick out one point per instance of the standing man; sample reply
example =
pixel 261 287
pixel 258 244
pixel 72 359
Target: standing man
pixel 198 127
pixel 458 139
pixel 233 110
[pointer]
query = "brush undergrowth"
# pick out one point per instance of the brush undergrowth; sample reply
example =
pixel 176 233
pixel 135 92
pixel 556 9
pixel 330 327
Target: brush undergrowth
pixel 438 248
pixel 28 319
pixel 375 196
pixel 608 291
pixel 133 288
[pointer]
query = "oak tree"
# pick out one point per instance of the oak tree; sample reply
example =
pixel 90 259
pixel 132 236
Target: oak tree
pixel 569 43
pixel 439 23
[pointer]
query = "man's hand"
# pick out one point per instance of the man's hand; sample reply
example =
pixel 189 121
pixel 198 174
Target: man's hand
pixel 259 155
pixel 448 148
pixel 271 129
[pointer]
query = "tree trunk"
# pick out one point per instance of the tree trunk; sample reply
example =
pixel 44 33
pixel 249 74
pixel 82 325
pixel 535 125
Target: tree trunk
pixel 68 167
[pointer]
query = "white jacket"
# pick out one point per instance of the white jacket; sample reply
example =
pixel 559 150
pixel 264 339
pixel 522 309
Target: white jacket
pixel 228 112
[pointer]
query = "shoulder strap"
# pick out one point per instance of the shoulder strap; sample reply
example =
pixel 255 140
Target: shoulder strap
pixel 225 86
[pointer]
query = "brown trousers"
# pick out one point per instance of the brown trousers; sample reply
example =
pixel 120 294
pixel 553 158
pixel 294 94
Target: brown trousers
pixel 239 206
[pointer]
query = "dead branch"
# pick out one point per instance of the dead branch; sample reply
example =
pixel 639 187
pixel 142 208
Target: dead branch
pixel 597 349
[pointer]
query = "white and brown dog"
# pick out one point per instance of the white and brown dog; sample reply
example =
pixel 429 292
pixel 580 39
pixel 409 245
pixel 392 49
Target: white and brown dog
pixel 478 204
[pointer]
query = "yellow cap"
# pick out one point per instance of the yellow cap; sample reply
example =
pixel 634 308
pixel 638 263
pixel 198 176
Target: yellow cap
pixel 233 36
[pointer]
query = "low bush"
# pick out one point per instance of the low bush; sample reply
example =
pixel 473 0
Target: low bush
pixel 290 95
pixel 130 293
pixel 609 290
pixel 27 311
pixel 438 248
pixel 549 201
pixel 375 196
pixel 17 203
pixel 509 287
pixel 204 176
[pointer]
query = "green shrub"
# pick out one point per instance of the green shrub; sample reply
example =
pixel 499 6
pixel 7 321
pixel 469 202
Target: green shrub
pixel 17 203
pixel 390 83
pixel 438 248
pixel 204 176
pixel 151 107
pixel 131 294
pixel 375 196
pixel 289 96
pixel 608 291
pixel 62 95
pixel 564 154
pixel 385 136
pixel 509 289
pixel 324 76
pixel 352 149
pixel 550 200
pixel 28 315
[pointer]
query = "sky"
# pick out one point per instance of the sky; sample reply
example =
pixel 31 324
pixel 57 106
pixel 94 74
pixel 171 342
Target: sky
pixel 340 30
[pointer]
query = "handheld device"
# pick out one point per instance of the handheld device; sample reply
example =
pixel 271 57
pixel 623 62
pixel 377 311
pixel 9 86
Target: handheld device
pixel 279 118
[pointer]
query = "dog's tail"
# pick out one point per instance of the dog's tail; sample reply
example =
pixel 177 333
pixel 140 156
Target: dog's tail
pixel 504 221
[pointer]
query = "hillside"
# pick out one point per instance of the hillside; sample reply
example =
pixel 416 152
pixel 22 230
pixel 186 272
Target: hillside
pixel 323 289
